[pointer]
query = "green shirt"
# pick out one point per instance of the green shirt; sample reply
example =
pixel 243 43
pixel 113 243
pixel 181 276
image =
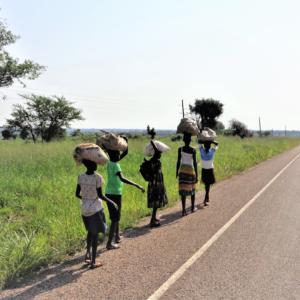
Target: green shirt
pixel 114 183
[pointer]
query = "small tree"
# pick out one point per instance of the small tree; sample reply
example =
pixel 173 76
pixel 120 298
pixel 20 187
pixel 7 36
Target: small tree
pixel 47 117
pixel 220 127
pixel 8 134
pixel 76 132
pixel 10 68
pixel 240 129
pixel 206 112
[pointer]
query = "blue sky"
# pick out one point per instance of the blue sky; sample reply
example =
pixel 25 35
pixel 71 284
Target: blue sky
pixel 127 64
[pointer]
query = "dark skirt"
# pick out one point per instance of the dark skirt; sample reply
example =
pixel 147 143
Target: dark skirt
pixel 156 195
pixel 95 223
pixel 208 176
pixel 114 215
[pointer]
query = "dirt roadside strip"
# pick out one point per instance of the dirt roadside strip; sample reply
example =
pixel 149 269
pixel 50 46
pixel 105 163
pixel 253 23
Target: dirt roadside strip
pixel 147 257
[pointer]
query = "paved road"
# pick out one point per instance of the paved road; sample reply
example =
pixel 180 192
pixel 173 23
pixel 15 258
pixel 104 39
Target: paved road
pixel 256 258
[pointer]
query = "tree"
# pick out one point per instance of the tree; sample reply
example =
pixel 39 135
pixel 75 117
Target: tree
pixel 8 134
pixel 45 117
pixel 10 68
pixel 219 126
pixel 206 112
pixel 240 129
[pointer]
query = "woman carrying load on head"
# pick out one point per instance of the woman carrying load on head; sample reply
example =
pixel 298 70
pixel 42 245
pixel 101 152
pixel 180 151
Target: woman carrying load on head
pixel 186 167
pixel 156 193
pixel 207 154
pixel 89 190
pixel 187 173
pixel 117 148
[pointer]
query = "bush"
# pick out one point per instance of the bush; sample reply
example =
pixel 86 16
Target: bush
pixel 240 129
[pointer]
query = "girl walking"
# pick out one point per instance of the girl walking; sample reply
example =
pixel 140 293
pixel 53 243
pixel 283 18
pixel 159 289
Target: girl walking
pixel 89 190
pixel 187 173
pixel 117 149
pixel 207 154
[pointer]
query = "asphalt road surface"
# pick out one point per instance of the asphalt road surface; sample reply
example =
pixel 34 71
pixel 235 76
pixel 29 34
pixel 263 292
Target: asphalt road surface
pixel 255 257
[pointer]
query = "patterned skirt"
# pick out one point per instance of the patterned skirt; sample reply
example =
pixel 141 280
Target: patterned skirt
pixel 187 180
pixel 157 196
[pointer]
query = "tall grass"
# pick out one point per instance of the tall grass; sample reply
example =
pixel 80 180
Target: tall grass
pixel 40 216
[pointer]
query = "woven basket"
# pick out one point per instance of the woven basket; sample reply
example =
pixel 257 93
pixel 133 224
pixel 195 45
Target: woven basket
pixel 90 152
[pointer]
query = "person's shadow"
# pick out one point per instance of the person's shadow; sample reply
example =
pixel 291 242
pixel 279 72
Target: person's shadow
pixel 49 279
pixel 65 273
pixel 165 220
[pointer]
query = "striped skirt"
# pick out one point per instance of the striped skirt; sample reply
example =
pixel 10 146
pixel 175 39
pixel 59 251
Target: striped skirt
pixel 187 180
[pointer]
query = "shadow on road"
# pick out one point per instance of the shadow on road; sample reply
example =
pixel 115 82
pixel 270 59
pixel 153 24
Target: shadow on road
pixel 165 220
pixel 49 279
pixel 72 269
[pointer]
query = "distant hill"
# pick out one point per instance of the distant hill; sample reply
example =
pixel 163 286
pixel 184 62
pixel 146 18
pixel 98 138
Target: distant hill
pixel 160 132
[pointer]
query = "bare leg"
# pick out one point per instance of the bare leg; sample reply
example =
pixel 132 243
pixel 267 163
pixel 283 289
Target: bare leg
pixel 183 200
pixel 112 231
pixel 193 203
pixel 117 236
pixel 87 258
pixel 154 222
pixel 207 188
pixel 94 252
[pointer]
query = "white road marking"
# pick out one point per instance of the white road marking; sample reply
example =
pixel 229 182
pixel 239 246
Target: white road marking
pixel 173 278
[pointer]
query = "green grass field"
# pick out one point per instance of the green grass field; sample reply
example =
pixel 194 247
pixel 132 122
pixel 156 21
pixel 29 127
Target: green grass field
pixel 40 216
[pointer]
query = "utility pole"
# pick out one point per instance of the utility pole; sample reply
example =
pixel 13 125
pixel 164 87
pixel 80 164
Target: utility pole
pixel 182 108
pixel 259 126
pixel 285 130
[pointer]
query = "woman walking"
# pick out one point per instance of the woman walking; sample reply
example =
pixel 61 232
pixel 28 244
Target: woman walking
pixel 187 173
pixel 207 154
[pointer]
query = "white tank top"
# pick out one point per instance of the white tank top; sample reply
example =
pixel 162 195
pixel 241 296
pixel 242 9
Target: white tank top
pixel 186 159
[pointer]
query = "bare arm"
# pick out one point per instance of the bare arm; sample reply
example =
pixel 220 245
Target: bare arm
pixel 127 181
pixel 178 161
pixel 195 164
pixel 77 193
pixel 104 198
pixel 124 153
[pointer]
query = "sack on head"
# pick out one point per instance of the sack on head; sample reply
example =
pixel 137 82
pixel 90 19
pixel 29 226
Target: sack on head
pixel 146 170
pixel 149 150
pixel 90 152
pixel 111 141
pixel 207 134
pixel 188 125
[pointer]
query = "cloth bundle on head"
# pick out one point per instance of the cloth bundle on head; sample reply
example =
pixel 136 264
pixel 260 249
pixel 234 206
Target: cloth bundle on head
pixel 90 152
pixel 188 125
pixel 149 150
pixel 207 135
pixel 110 141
